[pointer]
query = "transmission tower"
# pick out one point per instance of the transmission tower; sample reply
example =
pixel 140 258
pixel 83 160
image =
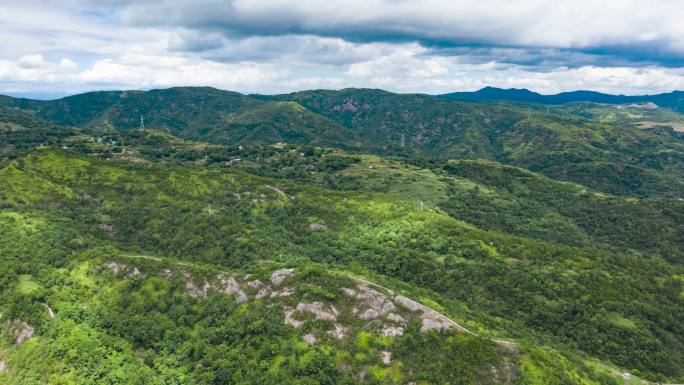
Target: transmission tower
pixel 142 122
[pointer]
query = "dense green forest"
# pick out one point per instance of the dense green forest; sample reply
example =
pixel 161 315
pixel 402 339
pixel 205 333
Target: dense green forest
pixel 337 237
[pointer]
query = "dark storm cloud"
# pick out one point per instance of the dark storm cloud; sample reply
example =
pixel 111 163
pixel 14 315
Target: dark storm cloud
pixel 526 32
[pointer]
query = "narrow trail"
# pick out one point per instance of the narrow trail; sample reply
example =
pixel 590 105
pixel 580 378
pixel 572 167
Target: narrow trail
pixel 276 190
pixel 49 309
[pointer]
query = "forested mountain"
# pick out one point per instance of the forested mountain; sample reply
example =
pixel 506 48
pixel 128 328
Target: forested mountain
pixel 338 237
pixel 673 100
pixel 609 156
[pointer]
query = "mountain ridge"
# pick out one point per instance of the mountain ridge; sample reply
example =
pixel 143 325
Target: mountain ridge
pixel 674 99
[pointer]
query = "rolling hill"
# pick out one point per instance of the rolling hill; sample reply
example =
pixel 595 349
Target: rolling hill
pixel 299 239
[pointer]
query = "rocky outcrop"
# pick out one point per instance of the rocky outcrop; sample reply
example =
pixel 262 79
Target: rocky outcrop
pixel 289 319
pixel 310 339
pixel 318 227
pixel 23 332
pixel 318 310
pixel 373 304
pixel 430 319
pixel 232 287
pixel 278 276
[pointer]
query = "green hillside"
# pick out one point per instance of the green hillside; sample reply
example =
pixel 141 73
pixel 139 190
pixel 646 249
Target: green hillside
pixel 613 152
pixel 462 257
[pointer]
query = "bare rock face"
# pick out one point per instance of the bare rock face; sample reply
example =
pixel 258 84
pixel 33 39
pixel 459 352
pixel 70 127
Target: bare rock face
pixel 289 320
pixel 318 227
pixel 375 303
pixel 396 318
pixel 3 366
pixel 278 276
pixel 232 287
pixel 349 292
pixel 433 320
pixel 286 292
pixel 339 331
pixel 254 284
pixel 386 357
pixel 114 267
pixel 430 319
pixel 392 331
pixel 135 272
pixel 310 339
pixel 24 332
pixel 263 292
pixel 318 310
pixel 408 303
pixel 196 291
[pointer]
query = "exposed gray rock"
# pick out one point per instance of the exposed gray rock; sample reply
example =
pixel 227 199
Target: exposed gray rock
pixel 135 272
pixel 431 320
pixel 24 332
pixel 318 227
pixel 3 366
pixel 317 309
pixel 310 339
pixel 286 292
pixel 114 267
pixel 254 284
pixel 376 303
pixel 386 357
pixel 396 318
pixel 289 320
pixel 232 287
pixel 339 331
pixel 392 331
pixel 408 303
pixel 278 276
pixel 263 292
pixel 369 314
pixel 349 292
pixel 196 291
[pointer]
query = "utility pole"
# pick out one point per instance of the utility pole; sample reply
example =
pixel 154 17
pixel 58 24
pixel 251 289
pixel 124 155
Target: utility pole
pixel 421 206
pixel 403 142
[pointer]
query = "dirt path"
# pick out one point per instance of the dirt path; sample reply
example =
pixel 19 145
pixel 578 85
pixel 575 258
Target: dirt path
pixel 276 190
pixel 49 309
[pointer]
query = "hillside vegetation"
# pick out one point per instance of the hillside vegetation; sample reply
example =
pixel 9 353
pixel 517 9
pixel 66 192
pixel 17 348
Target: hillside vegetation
pixel 213 253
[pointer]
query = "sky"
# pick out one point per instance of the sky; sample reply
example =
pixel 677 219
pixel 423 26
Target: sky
pixel 53 48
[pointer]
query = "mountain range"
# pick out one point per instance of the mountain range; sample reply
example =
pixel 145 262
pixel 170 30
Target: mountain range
pixel 673 100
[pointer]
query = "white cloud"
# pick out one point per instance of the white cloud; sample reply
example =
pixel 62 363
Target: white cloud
pixel 32 61
pixel 541 23
pixel 272 46
pixel 67 65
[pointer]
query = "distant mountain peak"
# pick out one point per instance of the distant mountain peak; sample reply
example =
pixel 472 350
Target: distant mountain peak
pixel 669 100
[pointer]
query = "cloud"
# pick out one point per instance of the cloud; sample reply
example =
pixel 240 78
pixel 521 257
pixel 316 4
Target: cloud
pixel 271 46
pixel 569 25
pixel 32 61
